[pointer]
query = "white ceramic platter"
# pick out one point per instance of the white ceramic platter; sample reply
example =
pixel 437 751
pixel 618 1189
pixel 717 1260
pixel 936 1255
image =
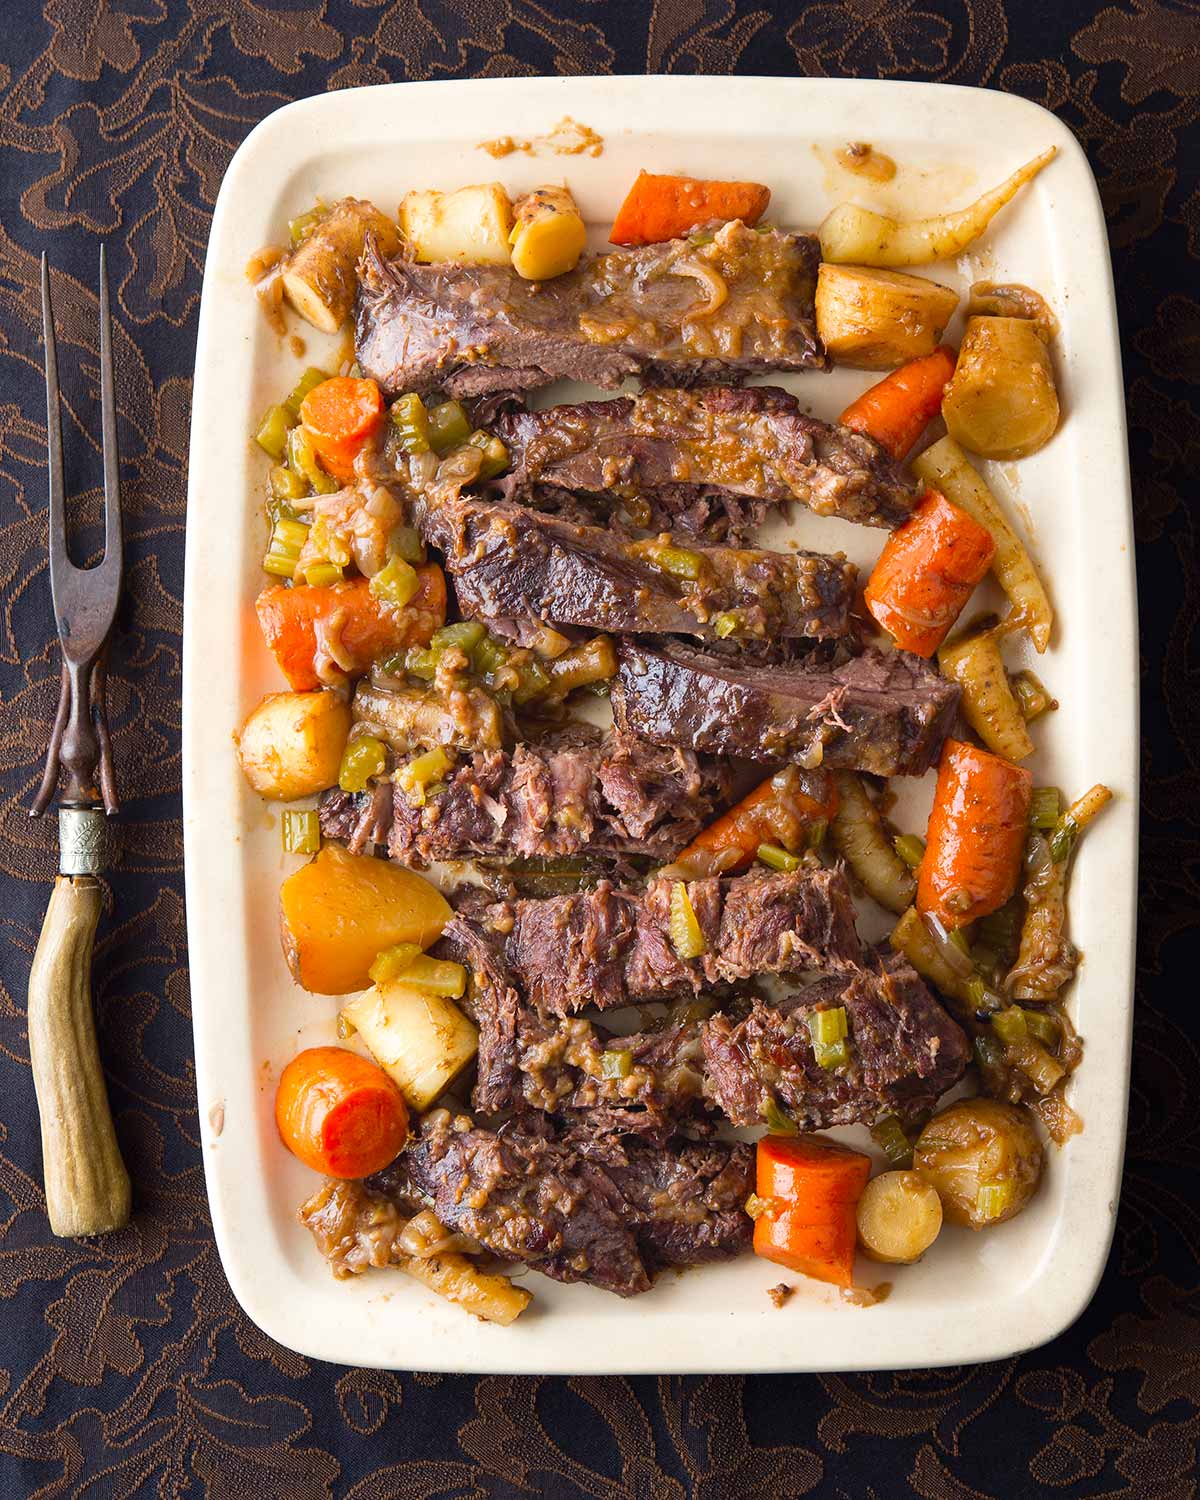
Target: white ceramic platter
pixel 975 1297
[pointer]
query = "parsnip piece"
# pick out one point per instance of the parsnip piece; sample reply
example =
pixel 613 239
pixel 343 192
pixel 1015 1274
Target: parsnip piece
pixel 470 226
pixel 858 836
pixel 421 1040
pixel 874 320
pixel 945 467
pixel 857 236
pixel 291 745
pixel 1001 401
pixel 988 702
pixel 1009 299
pixel 319 276
pixel 548 236
pixel 453 1276
pixel 899 1217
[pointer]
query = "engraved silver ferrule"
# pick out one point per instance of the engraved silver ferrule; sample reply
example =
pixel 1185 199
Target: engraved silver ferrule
pixel 80 841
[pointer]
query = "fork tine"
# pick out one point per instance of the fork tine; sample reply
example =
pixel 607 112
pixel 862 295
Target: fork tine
pixel 108 427
pixel 57 510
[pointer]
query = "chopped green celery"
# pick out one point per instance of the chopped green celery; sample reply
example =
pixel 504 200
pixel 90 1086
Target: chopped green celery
pixel 466 634
pixel 700 237
pixel 411 421
pixel 294 400
pixel 285 485
pixel 300 832
pixel 1062 840
pixel 535 681
pixel 910 848
pixel 1045 807
pixel 677 561
pixel 993 1198
pixel 302 460
pixel 395 583
pixel 1032 698
pixel 817 830
pixel 725 623
pixel 405 542
pixel 272 434
pixel 394 666
pixel 888 1134
pixel 989 1052
pixel 421 662
pixel 439 976
pixel 417 777
pixel 392 962
pixel 686 935
pixel 1042 1026
pixel 361 760
pixel 777 858
pixel 322 575
pixel 1001 930
pixel 448 426
pixel 827 1027
pixel 1009 1024
pixel 755 1207
pixel 617 1062
pixel 300 227
pixel 959 938
pixel 765 227
pixel 290 533
pixel 279 565
pixel 777 1120
pixel 488 655
pixel 836 1055
pixel 495 454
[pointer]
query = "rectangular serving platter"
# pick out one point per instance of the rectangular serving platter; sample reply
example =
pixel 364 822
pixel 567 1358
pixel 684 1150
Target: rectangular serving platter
pixel 974 1297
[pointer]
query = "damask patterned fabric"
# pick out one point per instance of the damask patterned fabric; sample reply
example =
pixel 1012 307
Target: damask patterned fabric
pixel 126 1369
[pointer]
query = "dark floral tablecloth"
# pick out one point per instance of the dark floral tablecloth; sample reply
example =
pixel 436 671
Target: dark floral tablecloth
pixel 126 1369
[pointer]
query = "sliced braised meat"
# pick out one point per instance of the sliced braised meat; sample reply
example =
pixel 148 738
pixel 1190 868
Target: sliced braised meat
pixel 607 947
pixel 513 563
pixel 742 304
pixel 527 1197
pixel 884 712
pixel 691 459
pixel 904 1051
pixel 572 792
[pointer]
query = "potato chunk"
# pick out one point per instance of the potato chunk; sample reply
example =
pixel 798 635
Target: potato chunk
pixel 339 911
pixel 470 226
pixel 421 1040
pixel 291 744
pixel 1001 401
pixel 875 320
pixel 983 1158
pixel 320 277
pixel 548 237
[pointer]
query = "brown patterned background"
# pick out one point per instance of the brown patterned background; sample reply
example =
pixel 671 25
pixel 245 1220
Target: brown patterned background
pixel 126 1369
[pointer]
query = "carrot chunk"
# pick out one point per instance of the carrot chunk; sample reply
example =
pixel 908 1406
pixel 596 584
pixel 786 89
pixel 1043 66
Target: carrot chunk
pixel 976 835
pixel 365 628
pixel 340 416
pixel 779 811
pixel 809 1186
pixel 665 208
pixel 340 1113
pixel 897 409
pixel 926 572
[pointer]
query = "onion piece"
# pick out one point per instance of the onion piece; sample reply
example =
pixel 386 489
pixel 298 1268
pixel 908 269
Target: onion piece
pixel 959 961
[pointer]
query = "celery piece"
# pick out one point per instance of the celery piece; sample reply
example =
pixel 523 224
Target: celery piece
pixel 1001 930
pixel 888 1134
pixel 777 1120
pixel 1041 1026
pixel 837 1055
pixel 302 225
pixel 495 454
pixel 420 662
pixel 679 562
pixel 322 575
pixel 989 1053
pixel 992 1199
pixel 699 237
pixel 448 426
pixel 1009 1024
pixel 285 485
pixel 777 858
pixel 1032 698
pixel 465 634
pixel 302 460
pixel 294 400
pixel 405 542
pixel 392 962
pixel 290 533
pixel 725 623
pixel 1045 807
pixel 686 936
pixel 272 434
pixel 910 848
pixel 827 1027
pixel 817 830
pixel 300 832
pixel 488 655
pixel 395 583
pixel 440 976
pixel 418 776
pixel 279 565
pixel 535 681
pixel 362 759
pixel 1062 840
pixel 616 1063
pixel 411 421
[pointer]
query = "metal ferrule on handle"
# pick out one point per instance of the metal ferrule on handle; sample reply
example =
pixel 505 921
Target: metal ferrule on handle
pixel 81 841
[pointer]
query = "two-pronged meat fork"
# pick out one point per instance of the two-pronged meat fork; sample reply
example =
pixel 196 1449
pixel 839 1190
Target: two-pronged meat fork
pixel 87 1186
